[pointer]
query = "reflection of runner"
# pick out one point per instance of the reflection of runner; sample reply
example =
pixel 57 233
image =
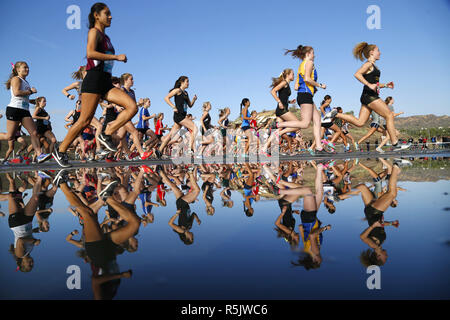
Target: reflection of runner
pixel 102 248
pixel 20 222
pixel 184 214
pixel 375 235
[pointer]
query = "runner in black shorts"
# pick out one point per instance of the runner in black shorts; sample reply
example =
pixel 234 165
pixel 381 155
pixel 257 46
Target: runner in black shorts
pixel 182 102
pixel 183 210
pixel 17 111
pixel 43 124
pixel 101 248
pixel 369 75
pixel 374 209
pixel 97 84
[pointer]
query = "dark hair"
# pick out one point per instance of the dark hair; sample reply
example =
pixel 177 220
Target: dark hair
pixel 178 83
pixel 388 99
pixel 300 52
pixel 115 80
pixel 96 8
pixel 243 102
pixel 339 109
pixel 327 97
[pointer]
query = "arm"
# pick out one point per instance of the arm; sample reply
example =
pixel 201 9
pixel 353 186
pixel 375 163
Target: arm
pixel 365 235
pixel 169 96
pixel 68 116
pixel 70 87
pixel 15 87
pixel 274 91
pixel 322 107
pixel 173 225
pixel 308 70
pixel 74 242
pixel 191 103
pixel 359 75
pixel 244 114
pixel 36 110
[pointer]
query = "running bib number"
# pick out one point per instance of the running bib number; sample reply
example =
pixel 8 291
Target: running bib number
pixel 108 64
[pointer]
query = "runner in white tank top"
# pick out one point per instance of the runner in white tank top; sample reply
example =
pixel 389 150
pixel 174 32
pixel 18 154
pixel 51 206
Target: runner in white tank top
pixel 17 112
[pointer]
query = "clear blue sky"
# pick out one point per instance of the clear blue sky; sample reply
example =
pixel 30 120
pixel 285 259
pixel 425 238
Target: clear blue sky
pixel 231 49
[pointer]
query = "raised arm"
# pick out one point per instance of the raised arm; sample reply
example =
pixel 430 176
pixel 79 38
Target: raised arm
pixel 68 88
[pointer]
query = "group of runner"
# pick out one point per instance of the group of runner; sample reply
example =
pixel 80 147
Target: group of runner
pixel 115 136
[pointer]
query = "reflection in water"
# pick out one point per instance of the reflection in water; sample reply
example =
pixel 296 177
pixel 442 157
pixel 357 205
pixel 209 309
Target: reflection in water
pixel 296 189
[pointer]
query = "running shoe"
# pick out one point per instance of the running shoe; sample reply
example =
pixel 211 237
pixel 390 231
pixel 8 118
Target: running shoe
pixel 108 191
pixel 43 157
pixel 43 175
pixel 61 177
pixel 106 140
pixel 146 155
pixel 379 150
pixel 61 158
pixel 329 116
pixel 158 154
pixel 102 153
pixel 356 146
pixel 110 159
pixel 400 147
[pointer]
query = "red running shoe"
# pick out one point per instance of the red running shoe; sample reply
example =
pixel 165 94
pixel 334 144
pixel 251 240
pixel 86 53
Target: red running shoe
pixel 146 155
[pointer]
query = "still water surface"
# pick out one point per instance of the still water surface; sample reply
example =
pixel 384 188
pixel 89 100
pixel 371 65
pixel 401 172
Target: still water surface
pixel 248 244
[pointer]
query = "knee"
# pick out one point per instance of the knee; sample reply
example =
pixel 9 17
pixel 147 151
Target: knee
pixel 132 109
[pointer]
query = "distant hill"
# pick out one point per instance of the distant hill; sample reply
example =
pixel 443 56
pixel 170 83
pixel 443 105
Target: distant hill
pixel 412 122
pixel 425 121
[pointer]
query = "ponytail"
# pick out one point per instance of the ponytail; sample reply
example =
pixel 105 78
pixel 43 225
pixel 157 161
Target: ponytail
pixel 325 99
pixel 178 83
pixel 14 73
pixel 281 77
pixel 243 102
pixel 362 50
pixel 300 52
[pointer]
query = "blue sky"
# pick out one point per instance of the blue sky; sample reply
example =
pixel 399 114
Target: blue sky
pixel 231 49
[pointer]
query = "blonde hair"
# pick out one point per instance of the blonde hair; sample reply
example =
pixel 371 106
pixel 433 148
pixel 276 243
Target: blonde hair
pixel 205 105
pixel 14 73
pixel 281 77
pixel 78 75
pixel 363 49
pixel 124 77
pixel 38 101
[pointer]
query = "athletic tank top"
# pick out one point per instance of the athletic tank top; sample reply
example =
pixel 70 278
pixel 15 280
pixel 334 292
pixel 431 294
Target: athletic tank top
pixel 103 46
pixel 326 109
pixel 225 122
pixel 245 123
pixel 23 231
pixel 284 94
pixel 207 122
pixel 20 102
pixel 371 77
pixel 302 85
pixel 40 122
pixel 181 102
